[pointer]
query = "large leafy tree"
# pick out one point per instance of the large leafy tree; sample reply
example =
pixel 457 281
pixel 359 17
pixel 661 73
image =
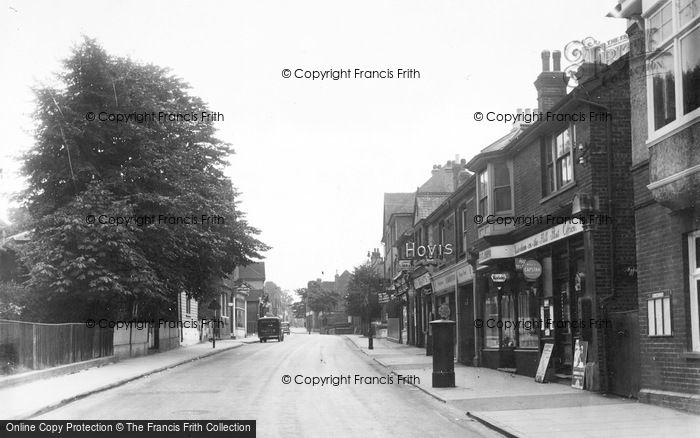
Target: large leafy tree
pixel 362 298
pixel 149 166
pixel 318 298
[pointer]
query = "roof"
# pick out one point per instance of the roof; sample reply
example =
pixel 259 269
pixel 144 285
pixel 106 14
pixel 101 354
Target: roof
pixel 441 181
pixel 496 147
pixel 397 203
pixel 426 204
pixel 253 271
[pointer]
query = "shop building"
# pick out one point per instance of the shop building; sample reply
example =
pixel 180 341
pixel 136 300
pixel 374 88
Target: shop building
pixel 401 213
pixel 555 243
pixel 665 94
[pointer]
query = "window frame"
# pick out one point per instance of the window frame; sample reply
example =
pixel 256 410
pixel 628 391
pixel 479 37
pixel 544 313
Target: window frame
pixel 483 198
pixel 670 44
pixel 552 160
pixel 664 301
pixel 693 279
pixel 489 198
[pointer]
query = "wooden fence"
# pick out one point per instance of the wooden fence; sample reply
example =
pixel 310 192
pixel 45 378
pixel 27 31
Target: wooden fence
pixel 36 346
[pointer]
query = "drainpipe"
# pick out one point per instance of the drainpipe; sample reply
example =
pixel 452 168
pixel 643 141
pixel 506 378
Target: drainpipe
pixel 611 233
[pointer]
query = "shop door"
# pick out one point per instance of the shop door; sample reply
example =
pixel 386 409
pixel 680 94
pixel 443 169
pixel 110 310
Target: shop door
pixel 623 349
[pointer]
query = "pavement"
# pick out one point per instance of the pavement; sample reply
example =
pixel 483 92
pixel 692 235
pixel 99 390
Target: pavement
pixel 517 406
pixel 33 398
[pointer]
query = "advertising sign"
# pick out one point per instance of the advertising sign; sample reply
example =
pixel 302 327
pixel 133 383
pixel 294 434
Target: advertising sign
pixel 422 281
pixel 544 363
pixel 532 269
pixel 579 368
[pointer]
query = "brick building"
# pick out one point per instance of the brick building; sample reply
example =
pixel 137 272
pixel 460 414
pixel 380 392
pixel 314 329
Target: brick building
pixel 665 95
pixel 565 178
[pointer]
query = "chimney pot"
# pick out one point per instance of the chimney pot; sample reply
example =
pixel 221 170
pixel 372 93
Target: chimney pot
pixel 545 60
pixel 556 60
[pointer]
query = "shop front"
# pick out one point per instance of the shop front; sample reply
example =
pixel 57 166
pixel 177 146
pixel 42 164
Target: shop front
pixel 533 294
pixel 423 299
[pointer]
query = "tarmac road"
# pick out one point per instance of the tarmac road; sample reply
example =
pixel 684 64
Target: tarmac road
pixel 247 383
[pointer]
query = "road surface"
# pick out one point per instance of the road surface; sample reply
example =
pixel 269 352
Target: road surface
pixel 249 383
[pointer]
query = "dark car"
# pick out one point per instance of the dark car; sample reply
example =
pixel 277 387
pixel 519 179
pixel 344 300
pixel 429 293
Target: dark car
pixel 270 327
pixel 285 328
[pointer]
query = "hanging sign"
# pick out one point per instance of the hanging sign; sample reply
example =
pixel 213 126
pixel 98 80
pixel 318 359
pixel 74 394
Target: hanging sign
pixel 500 277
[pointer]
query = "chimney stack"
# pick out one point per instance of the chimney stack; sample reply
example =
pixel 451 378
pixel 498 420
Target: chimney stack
pixel 556 60
pixel 545 60
pixel 550 85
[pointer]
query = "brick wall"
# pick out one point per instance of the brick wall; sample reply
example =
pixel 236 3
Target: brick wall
pixel 615 253
pixel 667 377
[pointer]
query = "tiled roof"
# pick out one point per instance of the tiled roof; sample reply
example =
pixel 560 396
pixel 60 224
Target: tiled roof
pixel 502 142
pixel 395 203
pixel 253 271
pixel 441 181
pixel 426 204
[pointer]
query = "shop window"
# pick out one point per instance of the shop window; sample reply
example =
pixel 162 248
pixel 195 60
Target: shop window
pixel 508 318
pixel 659 314
pixel 491 339
pixel 694 271
pixel 673 42
pixel 527 318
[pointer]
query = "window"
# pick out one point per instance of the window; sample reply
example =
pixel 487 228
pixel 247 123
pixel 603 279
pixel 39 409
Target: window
pixel 495 182
pixel 673 43
pixel 694 271
pixel 188 304
pixel 659 313
pixel 484 193
pixel 508 319
pixel 690 70
pixel 664 89
pixel 491 313
pixel 527 318
pixel 501 188
pixel 463 233
pixel 559 162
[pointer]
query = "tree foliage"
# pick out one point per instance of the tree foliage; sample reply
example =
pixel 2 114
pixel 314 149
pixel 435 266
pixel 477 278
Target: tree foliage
pixel 80 168
pixel 318 298
pixel 363 292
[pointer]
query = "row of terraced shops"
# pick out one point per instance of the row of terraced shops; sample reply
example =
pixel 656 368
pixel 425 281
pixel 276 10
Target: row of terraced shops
pixel 557 234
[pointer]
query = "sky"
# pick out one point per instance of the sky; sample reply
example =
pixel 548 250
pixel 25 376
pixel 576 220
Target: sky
pixel 313 157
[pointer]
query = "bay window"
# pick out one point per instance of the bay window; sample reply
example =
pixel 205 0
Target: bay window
pixel 495 189
pixel 673 64
pixel 484 193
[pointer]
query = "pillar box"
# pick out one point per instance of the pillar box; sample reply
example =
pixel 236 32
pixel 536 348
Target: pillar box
pixel 443 353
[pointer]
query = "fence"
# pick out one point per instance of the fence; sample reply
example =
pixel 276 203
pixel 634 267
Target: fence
pixel 36 346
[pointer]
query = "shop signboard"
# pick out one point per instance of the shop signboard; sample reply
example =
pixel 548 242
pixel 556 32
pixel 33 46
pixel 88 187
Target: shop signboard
pixel 383 297
pixel 405 264
pixel 579 368
pixel 444 282
pixel 465 274
pixel 496 252
pixel 519 262
pixel 547 236
pixel 544 363
pixel 422 281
